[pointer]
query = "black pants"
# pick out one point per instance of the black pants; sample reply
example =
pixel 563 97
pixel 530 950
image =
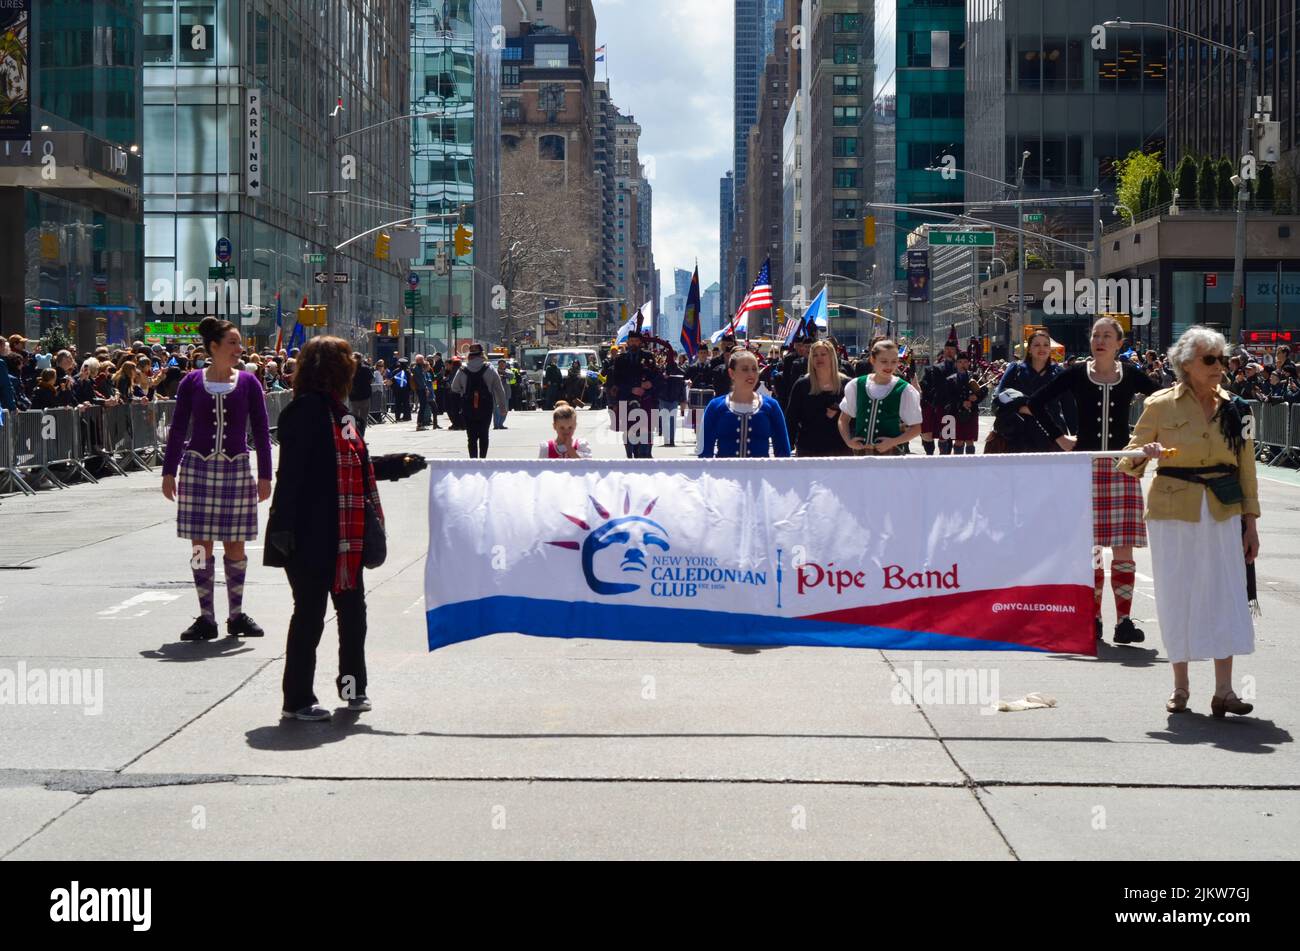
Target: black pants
pixel 478 431
pixel 311 595
pixel 402 401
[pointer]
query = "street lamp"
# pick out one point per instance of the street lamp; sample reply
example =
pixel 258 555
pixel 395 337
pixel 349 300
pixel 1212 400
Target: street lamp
pixel 1243 187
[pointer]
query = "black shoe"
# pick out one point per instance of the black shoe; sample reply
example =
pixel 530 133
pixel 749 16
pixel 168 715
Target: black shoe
pixel 1100 633
pixel 201 630
pixel 241 625
pixel 1127 633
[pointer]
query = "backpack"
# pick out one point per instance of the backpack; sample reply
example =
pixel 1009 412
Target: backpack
pixel 478 398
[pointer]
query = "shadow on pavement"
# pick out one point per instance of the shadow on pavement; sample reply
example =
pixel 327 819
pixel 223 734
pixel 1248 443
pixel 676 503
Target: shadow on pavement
pixel 1125 656
pixel 184 652
pixel 293 735
pixel 1236 735
pixel 743 648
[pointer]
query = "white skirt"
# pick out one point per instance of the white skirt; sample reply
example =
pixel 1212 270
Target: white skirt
pixel 1200 576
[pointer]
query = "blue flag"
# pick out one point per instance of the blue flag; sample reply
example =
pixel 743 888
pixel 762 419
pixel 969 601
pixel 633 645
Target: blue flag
pixel 691 327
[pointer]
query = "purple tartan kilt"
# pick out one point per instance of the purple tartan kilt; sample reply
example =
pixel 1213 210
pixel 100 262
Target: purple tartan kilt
pixel 216 498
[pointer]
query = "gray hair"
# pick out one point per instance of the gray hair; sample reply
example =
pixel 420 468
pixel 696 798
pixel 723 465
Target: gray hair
pixel 1194 341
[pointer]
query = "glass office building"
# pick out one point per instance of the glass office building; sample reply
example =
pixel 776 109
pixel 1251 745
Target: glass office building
pixel 70 201
pixel 455 162
pixel 1035 84
pixel 918 111
pixel 242 125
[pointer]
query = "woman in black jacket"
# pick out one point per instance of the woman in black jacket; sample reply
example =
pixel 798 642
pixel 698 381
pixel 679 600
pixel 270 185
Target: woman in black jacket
pixel 324 485
pixel 814 411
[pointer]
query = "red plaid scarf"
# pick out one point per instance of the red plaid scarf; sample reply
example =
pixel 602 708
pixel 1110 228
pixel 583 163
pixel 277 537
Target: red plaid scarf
pixel 356 484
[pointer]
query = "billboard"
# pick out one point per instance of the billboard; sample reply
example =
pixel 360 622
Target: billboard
pixel 15 72
pixel 918 276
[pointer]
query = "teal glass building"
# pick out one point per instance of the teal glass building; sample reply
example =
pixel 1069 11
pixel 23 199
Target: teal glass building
pixel 455 163
pixel 918 111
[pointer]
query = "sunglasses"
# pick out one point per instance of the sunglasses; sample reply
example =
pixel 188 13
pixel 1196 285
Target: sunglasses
pixel 1214 360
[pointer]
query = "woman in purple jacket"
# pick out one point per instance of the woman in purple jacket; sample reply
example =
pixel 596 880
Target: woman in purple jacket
pixel 217 494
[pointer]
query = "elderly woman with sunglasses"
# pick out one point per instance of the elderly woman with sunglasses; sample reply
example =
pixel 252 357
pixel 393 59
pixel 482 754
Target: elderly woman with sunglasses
pixel 1201 515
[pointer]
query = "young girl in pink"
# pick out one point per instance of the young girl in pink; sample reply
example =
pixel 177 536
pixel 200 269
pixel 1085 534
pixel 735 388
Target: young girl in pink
pixel 566 444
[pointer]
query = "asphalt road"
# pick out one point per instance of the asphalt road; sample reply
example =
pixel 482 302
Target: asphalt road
pixel 523 747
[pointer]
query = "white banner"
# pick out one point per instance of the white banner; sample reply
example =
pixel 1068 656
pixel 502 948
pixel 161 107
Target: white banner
pixel 963 553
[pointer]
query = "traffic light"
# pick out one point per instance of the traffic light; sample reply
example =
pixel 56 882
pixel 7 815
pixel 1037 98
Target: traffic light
pixel 869 231
pixel 394 328
pixel 464 241
pixel 382 244
pixel 313 315
pixel 381 328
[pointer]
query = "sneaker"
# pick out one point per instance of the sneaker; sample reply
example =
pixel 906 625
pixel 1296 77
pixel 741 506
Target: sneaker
pixel 201 630
pixel 310 714
pixel 1127 633
pixel 241 625
pixel 360 705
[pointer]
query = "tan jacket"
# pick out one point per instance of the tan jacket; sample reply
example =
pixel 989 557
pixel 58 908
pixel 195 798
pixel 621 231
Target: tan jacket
pixel 1174 418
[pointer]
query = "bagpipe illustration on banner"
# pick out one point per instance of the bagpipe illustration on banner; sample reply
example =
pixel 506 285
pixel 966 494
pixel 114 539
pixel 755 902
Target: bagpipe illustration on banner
pixel 982 553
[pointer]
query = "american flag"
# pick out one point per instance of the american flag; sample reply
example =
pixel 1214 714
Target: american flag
pixel 791 329
pixel 759 298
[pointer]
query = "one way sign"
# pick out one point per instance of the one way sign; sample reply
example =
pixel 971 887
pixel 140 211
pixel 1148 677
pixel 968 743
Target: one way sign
pixel 339 278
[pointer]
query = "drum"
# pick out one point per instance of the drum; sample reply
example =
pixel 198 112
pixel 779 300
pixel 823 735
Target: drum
pixel 697 401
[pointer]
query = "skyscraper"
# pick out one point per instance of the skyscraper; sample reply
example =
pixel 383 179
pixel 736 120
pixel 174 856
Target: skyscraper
pixel 241 127
pixel 455 162
pixel 754 22
pixel 73 245
pixel 726 224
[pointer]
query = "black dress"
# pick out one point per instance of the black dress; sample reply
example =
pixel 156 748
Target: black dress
pixel 1103 408
pixel 812 432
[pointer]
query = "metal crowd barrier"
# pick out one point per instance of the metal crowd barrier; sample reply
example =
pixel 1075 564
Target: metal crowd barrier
pixel 47 438
pixel 275 404
pixel 9 475
pixel 107 431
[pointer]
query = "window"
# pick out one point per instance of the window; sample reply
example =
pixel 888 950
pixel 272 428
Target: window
pixel 159 29
pixel 551 148
pixel 847 178
pixel 845 240
pixel 510 74
pixel 550 55
pixel 847 269
pixel 845 209
pixel 848 23
pixel 847 115
pixel 845 54
pixel 846 148
pixel 848 85
pixel 550 98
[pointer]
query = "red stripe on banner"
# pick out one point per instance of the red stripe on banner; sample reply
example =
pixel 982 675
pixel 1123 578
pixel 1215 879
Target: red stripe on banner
pixel 1054 617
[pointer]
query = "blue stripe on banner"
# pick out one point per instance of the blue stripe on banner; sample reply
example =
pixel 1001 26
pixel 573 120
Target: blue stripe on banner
pixel 469 620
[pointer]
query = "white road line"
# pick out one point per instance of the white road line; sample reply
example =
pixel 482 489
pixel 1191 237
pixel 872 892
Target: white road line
pixel 147 597
pixel 418 602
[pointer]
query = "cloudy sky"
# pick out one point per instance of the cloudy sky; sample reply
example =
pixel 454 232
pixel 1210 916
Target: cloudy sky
pixel 670 65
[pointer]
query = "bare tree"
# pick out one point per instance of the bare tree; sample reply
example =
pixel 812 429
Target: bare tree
pixel 548 237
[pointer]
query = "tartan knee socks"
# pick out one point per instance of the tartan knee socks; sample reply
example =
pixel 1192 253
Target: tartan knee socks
pixel 205 573
pixel 235 572
pixel 1122 576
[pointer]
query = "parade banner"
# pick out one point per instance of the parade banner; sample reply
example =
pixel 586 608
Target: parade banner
pixel 962 553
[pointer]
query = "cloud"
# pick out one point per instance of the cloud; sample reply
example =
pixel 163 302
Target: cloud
pixel 670 65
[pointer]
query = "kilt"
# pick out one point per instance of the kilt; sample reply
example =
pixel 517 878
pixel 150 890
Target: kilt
pixel 931 419
pixel 216 498
pixel 1117 510
pixel 968 428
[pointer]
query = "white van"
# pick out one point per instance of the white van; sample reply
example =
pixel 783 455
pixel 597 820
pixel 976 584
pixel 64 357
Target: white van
pixel 588 359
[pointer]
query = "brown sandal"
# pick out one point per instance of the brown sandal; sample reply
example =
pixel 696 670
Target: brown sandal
pixel 1177 704
pixel 1222 706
